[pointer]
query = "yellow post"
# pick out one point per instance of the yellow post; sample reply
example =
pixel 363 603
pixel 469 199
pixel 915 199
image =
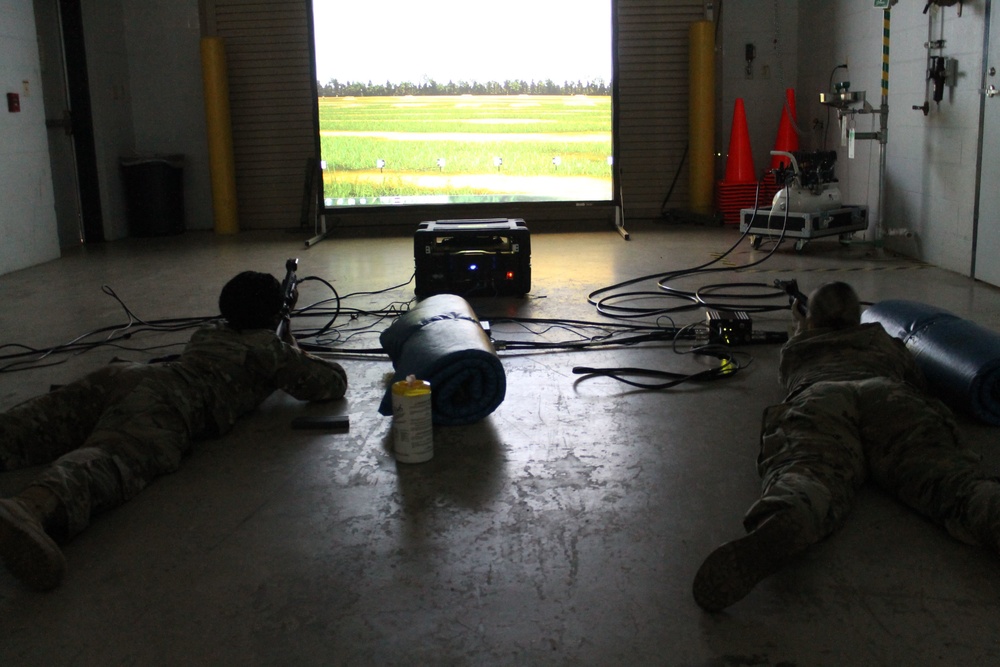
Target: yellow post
pixel 220 135
pixel 701 116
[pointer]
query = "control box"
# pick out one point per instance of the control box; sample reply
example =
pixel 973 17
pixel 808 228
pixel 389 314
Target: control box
pixel 475 257
pixel 727 327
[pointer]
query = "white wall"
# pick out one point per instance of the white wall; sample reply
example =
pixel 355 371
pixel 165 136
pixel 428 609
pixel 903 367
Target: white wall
pixel 27 215
pixel 163 40
pixel 930 160
pixel 111 105
pixel 144 70
pixel 772 27
pixel 144 65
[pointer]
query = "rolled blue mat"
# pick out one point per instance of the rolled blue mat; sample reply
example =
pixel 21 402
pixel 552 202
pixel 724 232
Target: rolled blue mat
pixel 440 340
pixel 959 358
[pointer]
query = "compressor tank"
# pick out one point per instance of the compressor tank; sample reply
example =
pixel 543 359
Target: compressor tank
pixel 805 200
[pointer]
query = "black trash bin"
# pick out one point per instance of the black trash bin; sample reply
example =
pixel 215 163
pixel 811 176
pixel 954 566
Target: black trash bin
pixel 154 194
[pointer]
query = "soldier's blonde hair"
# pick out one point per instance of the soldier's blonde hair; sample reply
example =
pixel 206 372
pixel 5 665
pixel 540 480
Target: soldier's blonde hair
pixel 833 306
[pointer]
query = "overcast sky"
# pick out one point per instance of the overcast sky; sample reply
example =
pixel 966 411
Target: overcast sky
pixel 481 40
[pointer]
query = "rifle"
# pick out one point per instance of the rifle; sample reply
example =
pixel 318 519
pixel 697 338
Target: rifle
pixel 287 294
pixel 791 288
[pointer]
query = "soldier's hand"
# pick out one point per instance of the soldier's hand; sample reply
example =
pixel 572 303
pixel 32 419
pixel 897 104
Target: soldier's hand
pixel 286 332
pixel 798 311
pixel 799 314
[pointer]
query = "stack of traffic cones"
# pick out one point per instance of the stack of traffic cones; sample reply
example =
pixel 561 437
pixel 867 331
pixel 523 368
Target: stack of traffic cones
pixel 787 141
pixel 739 188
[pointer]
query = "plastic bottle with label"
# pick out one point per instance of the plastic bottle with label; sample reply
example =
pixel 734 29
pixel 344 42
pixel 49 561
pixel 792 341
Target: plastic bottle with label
pixel 412 420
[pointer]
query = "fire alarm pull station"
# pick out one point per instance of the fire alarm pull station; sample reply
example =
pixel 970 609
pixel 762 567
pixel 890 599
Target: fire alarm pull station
pixel 13 102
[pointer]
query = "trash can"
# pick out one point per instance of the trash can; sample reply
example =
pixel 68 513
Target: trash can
pixel 154 194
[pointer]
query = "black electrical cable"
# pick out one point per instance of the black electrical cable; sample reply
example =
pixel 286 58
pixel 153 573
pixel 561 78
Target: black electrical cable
pixel 317 310
pixel 79 345
pixel 580 323
pixel 571 345
pixel 381 291
pixel 610 333
pixel 336 298
pixel 599 304
pixel 728 367
pixel 28 357
pixel 673 183
pixel 610 305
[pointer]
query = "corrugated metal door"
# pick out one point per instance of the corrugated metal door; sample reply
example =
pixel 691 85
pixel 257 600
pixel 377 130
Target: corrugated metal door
pixel 653 102
pixel 269 61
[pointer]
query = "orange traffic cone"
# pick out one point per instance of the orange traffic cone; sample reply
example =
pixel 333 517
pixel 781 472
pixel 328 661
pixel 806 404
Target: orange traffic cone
pixel 739 161
pixel 737 191
pixel 787 140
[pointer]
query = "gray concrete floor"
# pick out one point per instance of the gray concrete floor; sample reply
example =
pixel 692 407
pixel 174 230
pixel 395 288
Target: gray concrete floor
pixel 564 529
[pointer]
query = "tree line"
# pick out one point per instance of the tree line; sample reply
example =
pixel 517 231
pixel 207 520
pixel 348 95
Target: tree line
pixel 335 88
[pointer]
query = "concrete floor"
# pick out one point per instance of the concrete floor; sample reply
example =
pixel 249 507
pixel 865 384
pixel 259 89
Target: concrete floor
pixel 564 529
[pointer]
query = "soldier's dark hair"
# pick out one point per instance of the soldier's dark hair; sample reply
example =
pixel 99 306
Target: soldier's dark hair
pixel 834 306
pixel 251 300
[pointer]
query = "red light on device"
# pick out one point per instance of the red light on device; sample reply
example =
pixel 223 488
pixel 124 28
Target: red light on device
pixel 510 275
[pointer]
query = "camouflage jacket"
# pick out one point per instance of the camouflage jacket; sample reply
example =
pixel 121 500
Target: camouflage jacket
pixel 856 353
pixel 227 373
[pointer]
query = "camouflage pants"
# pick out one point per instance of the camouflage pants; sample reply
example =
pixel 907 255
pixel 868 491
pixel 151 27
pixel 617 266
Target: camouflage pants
pixel 822 444
pixel 105 437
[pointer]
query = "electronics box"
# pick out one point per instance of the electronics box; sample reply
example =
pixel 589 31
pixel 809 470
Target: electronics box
pixel 729 327
pixel 487 257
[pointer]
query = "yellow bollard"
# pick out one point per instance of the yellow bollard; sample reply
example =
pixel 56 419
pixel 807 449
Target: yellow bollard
pixel 220 135
pixel 701 116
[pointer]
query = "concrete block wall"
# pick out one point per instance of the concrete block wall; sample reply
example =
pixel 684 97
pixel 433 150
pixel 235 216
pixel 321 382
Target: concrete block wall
pixel 27 213
pixel 930 160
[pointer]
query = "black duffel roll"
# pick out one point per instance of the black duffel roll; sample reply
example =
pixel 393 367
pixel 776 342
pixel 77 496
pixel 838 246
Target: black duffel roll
pixel 441 341
pixel 960 359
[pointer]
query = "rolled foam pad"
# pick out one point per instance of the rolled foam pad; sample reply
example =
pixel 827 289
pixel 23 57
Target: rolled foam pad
pixel 440 340
pixel 959 358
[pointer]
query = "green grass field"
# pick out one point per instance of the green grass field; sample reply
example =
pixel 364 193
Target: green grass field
pixel 412 134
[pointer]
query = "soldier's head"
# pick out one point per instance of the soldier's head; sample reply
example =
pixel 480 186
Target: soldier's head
pixel 833 306
pixel 251 300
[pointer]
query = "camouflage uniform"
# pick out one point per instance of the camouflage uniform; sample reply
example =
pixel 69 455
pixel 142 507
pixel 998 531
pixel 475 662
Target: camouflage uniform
pixel 855 409
pixel 110 433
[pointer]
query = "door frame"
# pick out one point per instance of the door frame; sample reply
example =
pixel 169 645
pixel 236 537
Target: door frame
pixel 986 126
pixel 79 214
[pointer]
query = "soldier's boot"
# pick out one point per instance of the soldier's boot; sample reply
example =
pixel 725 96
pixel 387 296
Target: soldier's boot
pixel 732 570
pixel 26 549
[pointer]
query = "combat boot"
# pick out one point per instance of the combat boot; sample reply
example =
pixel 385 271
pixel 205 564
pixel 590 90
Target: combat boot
pixel 26 549
pixel 732 570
